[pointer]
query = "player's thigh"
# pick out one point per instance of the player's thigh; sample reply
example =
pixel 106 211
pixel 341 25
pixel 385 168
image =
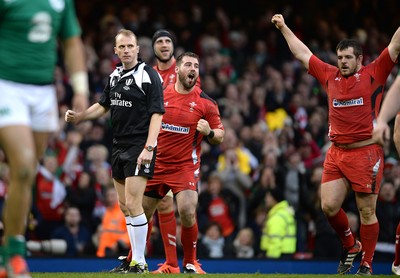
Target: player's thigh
pixel 41 143
pixel 134 187
pixel 18 144
pixel 149 206
pixel 363 168
pixel 166 204
pixel 333 194
pixel 15 104
pixel 120 188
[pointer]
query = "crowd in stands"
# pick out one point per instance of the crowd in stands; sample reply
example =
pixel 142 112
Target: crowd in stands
pixel 274 113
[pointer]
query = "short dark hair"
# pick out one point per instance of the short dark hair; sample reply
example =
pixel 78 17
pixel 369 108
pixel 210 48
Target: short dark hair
pixel 186 54
pixel 124 32
pixel 277 194
pixel 346 43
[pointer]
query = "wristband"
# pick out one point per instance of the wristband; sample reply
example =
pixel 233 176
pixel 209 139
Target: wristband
pixel 211 134
pixel 79 83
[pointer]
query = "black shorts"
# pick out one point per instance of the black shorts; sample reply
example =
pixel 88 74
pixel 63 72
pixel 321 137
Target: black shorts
pixel 124 158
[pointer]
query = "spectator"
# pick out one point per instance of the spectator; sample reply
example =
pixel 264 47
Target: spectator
pixel 97 158
pixel 234 166
pixel 212 244
pixel 218 204
pixel 77 237
pixel 49 197
pixel 388 213
pixel 112 236
pixel 83 196
pixel 279 233
pixel 297 193
pixel 326 242
pixel 243 245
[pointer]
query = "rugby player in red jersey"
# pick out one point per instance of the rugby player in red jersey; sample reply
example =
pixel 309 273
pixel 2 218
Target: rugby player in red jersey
pixel 354 161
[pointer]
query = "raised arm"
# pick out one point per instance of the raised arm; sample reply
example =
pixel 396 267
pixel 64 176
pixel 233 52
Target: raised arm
pixel 296 46
pixel 74 57
pixel 394 45
pixel 389 109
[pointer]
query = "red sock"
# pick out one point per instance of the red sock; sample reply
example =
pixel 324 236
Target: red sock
pixel 167 223
pixel 397 244
pixel 369 237
pixel 340 224
pixel 129 257
pixel 189 242
pixel 150 227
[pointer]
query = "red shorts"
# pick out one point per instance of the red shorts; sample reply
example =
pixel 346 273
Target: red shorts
pixel 362 167
pixel 177 180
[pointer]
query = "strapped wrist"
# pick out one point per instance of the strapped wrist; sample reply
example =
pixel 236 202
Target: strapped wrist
pixel 79 83
pixel 211 134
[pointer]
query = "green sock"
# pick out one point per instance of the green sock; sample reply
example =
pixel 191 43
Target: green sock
pixel 3 258
pixel 15 246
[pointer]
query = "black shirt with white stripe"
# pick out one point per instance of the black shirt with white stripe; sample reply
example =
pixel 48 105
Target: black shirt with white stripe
pixel 132 97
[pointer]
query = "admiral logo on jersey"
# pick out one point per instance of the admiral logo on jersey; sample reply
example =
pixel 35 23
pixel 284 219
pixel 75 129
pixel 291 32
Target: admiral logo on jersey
pixel 174 128
pixel 347 103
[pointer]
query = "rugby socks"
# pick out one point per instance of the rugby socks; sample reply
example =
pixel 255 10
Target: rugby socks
pixel 189 243
pixel 129 228
pixel 150 227
pixel 167 223
pixel 369 237
pixel 397 248
pixel 129 257
pixel 340 224
pixel 137 229
pixel 15 245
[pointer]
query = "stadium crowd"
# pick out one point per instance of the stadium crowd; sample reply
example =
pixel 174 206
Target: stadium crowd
pixel 274 113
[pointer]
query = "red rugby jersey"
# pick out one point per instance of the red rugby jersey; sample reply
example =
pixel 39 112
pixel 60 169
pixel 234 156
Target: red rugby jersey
pixel 354 102
pixel 178 144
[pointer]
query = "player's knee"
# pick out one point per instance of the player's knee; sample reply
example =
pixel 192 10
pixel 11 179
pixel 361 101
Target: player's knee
pixel 123 208
pixel 166 205
pixel 24 175
pixel 366 214
pixel 187 215
pixel 329 209
pixel 148 211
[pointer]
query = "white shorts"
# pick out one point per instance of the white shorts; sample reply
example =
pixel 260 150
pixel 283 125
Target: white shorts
pixel 30 105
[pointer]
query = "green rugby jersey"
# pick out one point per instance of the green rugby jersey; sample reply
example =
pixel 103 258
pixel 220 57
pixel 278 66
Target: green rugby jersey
pixel 29 30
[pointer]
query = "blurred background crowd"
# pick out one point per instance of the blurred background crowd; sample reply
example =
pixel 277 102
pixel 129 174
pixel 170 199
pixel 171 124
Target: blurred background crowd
pixel 274 113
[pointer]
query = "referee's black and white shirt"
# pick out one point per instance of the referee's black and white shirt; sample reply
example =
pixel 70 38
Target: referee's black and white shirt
pixel 133 96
